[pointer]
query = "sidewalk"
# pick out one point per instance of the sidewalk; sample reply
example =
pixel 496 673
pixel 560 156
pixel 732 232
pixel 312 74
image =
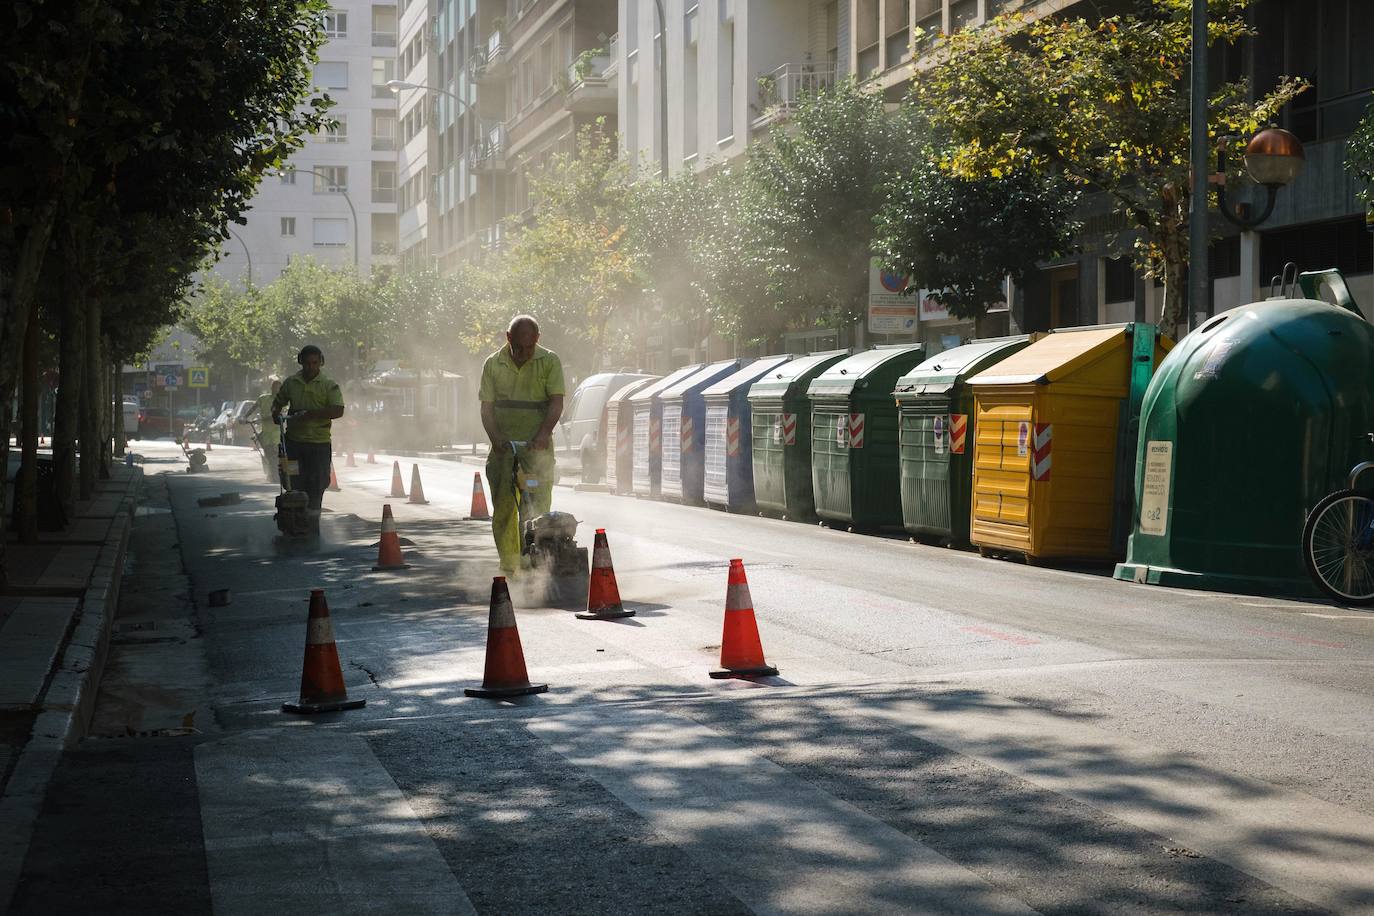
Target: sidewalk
pixel 55 616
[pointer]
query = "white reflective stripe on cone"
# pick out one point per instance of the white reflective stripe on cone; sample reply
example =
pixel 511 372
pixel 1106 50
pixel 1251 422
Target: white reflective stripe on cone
pixel 737 597
pixel 502 614
pixel 319 632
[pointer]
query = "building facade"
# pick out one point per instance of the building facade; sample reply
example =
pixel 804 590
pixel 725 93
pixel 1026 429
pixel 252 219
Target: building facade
pixel 336 198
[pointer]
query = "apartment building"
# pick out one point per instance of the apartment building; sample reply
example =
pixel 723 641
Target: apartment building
pixel 336 198
pixel 733 69
pixel 1318 221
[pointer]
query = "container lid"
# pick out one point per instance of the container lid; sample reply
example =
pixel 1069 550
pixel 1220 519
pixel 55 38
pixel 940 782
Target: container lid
pixel 795 375
pixel 626 390
pixel 648 392
pixel 848 374
pixel 746 376
pixel 1055 356
pixel 700 379
pixel 943 371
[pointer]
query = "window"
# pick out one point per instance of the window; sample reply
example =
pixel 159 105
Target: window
pixel 383 182
pixel 287 175
pixel 336 132
pixel 336 24
pixel 384 27
pixel 1343 244
pixel 288 227
pixel 1119 279
pixel 331 179
pixel 383 130
pixel 383 71
pixel 331 74
pixel 330 233
pixel 1326 42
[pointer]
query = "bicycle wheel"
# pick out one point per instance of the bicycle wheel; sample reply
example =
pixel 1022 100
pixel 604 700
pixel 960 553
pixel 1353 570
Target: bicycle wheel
pixel 1338 546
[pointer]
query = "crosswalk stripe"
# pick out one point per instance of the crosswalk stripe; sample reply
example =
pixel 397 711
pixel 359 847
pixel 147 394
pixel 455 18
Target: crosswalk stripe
pixel 776 842
pixel 314 823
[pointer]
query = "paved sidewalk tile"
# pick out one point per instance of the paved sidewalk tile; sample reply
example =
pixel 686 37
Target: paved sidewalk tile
pixel 30 641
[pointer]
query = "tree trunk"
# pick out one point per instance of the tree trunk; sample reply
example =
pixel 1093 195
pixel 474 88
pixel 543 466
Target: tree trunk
pixel 120 435
pixel 106 424
pixel 25 519
pixel 71 371
pixel 90 401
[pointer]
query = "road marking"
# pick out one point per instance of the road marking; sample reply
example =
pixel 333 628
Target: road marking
pixel 308 820
pixel 778 843
pixel 1296 638
pixel 1367 617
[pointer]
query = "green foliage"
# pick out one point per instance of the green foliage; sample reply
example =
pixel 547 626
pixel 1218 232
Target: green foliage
pixel 1102 103
pixel 1359 155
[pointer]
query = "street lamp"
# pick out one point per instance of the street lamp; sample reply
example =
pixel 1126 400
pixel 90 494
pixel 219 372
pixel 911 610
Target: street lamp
pixel 1273 158
pixel 348 200
pixel 398 86
pixel 247 256
pixel 663 91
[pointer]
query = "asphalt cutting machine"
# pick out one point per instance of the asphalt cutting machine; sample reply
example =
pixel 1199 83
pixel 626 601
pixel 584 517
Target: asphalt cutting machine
pixel 293 517
pixel 548 542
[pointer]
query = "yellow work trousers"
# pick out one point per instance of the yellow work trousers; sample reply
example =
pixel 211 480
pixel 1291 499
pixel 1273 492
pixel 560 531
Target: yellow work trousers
pixel 505 521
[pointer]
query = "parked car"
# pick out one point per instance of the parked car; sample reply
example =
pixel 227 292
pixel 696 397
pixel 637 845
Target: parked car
pixel 581 426
pixel 240 430
pixel 131 407
pixel 154 422
pixel 221 425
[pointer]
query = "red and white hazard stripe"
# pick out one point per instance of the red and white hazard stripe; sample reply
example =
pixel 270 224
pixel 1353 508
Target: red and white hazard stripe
pixel 1041 446
pixel 622 439
pixel 686 434
pixel 958 432
pixel 856 430
pixel 655 434
pixel 732 437
pixel 789 429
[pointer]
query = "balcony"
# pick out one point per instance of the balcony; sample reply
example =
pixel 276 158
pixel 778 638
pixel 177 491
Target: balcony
pixel 383 195
pixel 383 143
pixel 784 88
pixel 613 51
pixel 489 153
pixel 493 238
pixel 383 39
pixel 498 55
pixel 591 90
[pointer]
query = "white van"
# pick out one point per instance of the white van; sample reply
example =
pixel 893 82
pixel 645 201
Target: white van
pixel 582 425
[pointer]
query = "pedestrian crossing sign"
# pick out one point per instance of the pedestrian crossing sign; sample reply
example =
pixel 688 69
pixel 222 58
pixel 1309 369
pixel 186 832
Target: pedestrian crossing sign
pixel 199 377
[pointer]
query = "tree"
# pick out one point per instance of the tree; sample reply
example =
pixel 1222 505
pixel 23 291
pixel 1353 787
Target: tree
pixel 959 236
pixel 1359 155
pixel 812 193
pixel 1103 103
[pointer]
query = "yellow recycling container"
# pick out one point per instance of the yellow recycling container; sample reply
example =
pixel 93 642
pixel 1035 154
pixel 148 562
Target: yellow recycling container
pixel 1055 442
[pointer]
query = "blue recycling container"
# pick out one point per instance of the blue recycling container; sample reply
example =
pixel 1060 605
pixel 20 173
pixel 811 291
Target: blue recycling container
pixel 684 425
pixel 647 465
pixel 729 471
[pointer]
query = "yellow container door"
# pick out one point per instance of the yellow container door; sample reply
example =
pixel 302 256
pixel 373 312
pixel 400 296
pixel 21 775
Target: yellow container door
pixel 1002 511
pixel 1074 474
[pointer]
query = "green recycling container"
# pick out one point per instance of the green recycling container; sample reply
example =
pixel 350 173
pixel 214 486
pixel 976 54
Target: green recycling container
pixel 1249 422
pixel 780 434
pixel 854 437
pixel 936 436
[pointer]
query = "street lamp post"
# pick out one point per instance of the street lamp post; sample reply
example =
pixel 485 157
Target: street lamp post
pixel 348 200
pixel 397 86
pixel 1199 280
pixel 663 91
pixel 248 256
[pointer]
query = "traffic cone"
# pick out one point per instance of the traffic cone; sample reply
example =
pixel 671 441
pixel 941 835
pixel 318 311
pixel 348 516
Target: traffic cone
pixel 371 458
pixel 603 595
pixel 389 547
pixel 479 512
pixel 349 462
pixel 505 674
pixel 398 489
pixel 417 492
pixel 322 683
pixel 333 480
pixel 741 653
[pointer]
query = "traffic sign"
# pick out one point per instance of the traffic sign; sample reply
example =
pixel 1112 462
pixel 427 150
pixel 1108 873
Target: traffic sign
pixel 199 377
pixel 171 380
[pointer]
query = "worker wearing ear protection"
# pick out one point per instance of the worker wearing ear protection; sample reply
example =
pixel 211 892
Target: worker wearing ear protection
pixel 314 402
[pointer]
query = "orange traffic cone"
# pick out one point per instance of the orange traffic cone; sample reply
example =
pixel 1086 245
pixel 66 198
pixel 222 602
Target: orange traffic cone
pixel 417 492
pixel 741 653
pixel 389 547
pixel 371 458
pixel 349 462
pixel 333 480
pixel 479 512
pixel 505 674
pixel 603 595
pixel 322 683
pixel 398 489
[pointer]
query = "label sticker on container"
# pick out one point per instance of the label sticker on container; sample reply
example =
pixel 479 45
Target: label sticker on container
pixel 939 429
pixel 1023 438
pixel 777 432
pixel 1154 488
pixel 842 430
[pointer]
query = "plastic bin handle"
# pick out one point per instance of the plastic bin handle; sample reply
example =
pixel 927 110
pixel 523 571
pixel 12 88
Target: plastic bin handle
pixel 1313 282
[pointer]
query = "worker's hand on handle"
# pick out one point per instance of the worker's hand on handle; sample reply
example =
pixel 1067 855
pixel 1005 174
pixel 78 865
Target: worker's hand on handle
pixel 541 441
pixel 499 443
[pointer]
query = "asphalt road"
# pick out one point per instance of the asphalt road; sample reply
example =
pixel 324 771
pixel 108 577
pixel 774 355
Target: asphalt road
pixel 948 734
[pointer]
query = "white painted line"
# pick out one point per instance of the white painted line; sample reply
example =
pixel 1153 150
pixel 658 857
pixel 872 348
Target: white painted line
pixel 309 821
pixel 778 843
pixel 1366 617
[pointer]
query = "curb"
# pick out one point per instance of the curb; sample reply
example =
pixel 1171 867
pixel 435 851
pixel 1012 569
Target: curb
pixel 69 702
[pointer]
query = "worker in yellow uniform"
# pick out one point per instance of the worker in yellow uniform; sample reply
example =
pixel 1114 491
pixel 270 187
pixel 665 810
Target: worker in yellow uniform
pixel 521 392
pixel 315 402
pixel 269 433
